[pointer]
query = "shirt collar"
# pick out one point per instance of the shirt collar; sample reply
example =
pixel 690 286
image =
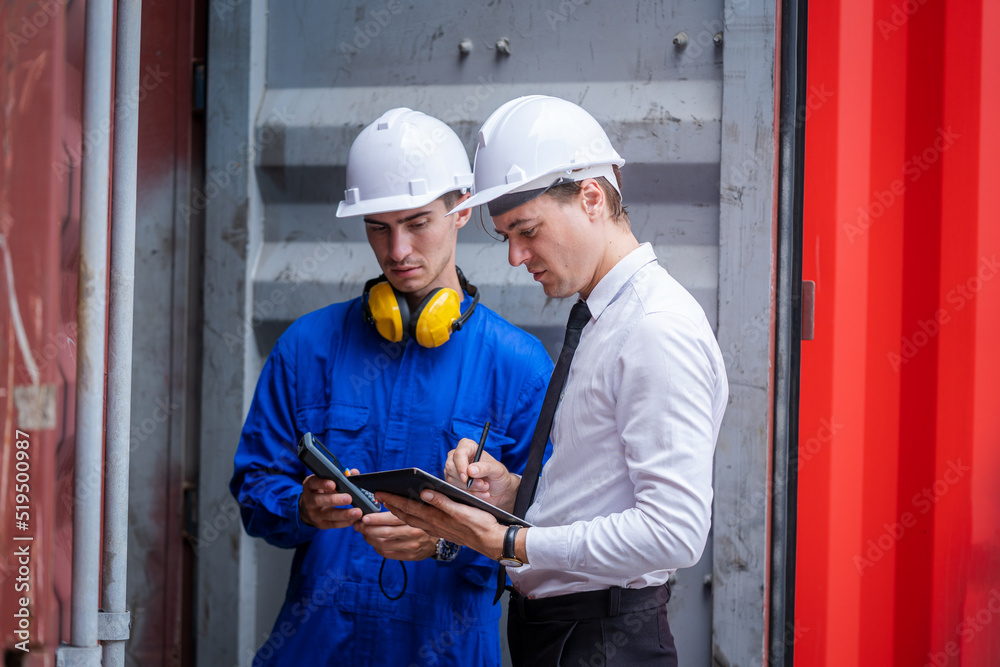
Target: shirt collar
pixel 617 278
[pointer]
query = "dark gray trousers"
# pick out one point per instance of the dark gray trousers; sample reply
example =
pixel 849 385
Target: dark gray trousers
pixel 609 628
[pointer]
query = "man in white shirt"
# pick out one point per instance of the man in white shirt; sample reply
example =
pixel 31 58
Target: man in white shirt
pixel 625 498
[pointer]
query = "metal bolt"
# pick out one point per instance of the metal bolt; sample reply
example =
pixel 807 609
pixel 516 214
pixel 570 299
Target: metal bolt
pixel 707 581
pixel 681 39
pixel 503 46
pixel 465 47
pixel 717 38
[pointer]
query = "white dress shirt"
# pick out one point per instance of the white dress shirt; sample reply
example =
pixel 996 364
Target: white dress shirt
pixel 626 497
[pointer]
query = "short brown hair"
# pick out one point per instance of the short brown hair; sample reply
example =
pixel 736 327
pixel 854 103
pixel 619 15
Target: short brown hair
pixel 449 199
pixel 567 192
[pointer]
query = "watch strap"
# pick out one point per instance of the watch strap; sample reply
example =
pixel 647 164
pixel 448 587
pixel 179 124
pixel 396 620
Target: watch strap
pixel 509 539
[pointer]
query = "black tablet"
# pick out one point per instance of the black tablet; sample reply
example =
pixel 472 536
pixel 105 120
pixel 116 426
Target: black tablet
pixel 409 482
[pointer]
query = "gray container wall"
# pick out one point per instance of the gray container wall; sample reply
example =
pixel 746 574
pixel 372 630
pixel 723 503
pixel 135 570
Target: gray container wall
pixel 331 70
pixel 302 79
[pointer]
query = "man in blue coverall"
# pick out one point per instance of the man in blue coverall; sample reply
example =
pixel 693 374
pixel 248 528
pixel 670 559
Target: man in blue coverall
pixel 380 394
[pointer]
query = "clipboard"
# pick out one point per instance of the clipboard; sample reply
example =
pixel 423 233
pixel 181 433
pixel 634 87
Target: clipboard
pixel 409 482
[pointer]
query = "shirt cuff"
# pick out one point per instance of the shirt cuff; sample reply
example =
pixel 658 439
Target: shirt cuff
pixel 546 547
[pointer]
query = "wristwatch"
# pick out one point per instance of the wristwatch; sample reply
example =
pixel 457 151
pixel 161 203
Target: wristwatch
pixel 508 558
pixel 445 551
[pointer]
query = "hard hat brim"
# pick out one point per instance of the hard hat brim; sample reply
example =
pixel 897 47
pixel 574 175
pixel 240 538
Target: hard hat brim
pixel 575 174
pixel 484 197
pixel 387 204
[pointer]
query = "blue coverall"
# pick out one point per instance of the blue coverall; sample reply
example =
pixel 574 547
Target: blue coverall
pixel 379 405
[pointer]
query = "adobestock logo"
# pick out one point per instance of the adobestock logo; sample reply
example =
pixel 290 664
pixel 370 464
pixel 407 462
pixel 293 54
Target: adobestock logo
pixel 958 297
pixel 923 501
pixel 968 630
pixel 913 169
pixel 372 28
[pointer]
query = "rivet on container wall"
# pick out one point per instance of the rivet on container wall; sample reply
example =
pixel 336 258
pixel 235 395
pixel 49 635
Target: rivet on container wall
pixel 465 47
pixel 717 39
pixel 681 39
pixel 503 46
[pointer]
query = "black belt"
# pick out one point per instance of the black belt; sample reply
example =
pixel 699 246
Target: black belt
pixel 605 603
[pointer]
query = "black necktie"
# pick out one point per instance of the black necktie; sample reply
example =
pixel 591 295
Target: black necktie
pixel 578 318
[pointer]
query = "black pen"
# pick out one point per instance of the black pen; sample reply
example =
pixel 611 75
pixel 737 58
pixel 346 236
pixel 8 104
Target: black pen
pixel 479 451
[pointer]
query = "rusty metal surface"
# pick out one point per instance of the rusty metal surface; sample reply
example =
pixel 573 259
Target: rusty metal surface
pixel 39 217
pixel 39 222
pixel 167 285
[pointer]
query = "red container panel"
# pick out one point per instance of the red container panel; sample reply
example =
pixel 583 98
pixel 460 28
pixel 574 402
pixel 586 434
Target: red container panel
pixel 899 518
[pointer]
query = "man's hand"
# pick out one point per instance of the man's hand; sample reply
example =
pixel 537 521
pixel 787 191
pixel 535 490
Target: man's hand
pixel 391 538
pixel 453 521
pixel 321 506
pixel 492 481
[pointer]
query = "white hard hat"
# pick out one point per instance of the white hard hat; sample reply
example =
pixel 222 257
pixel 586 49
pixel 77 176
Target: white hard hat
pixel 534 142
pixel 403 160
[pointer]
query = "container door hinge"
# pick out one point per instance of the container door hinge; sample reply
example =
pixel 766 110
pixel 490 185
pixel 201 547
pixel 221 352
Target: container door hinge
pixel 808 309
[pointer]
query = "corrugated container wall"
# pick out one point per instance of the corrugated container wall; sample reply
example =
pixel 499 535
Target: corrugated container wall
pixel 288 92
pixel 899 455
pixel 39 244
pixel 40 190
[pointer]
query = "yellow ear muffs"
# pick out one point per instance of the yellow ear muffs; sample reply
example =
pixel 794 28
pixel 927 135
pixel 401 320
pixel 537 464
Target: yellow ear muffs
pixel 389 313
pixel 435 319
pixel 434 316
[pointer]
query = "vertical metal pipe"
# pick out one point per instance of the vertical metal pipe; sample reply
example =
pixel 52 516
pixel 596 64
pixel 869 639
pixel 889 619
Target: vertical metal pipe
pixel 123 196
pixel 91 323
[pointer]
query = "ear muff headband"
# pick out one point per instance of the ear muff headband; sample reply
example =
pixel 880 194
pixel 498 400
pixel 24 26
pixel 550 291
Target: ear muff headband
pixel 431 324
pixel 472 291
